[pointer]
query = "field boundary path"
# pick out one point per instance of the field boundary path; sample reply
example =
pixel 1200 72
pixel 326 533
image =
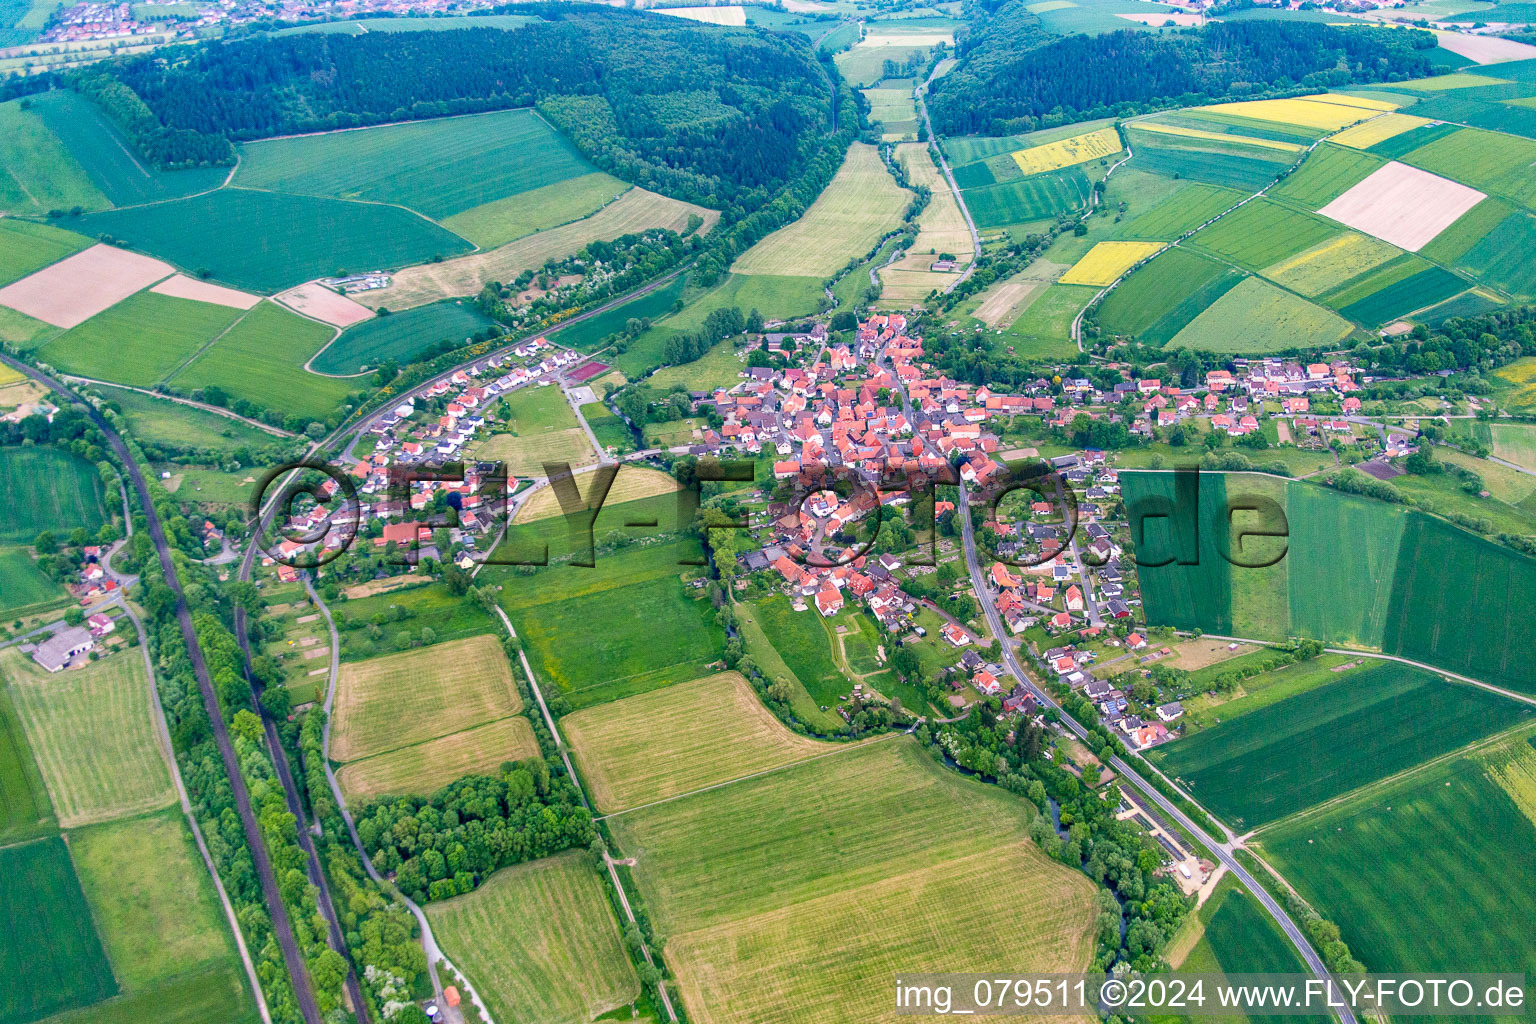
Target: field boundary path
pixel 282 927
pixel 216 410
pixel 608 862
pixel 429 946
pixel 1524 698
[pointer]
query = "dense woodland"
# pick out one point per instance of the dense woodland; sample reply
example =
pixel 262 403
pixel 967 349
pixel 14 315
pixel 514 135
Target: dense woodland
pixel 701 113
pixel 1015 78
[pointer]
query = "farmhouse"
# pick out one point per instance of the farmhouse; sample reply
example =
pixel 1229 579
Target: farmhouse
pixel 63 647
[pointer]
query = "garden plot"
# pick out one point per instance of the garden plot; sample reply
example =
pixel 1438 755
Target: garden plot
pixel 183 287
pixel 1403 205
pixel 73 290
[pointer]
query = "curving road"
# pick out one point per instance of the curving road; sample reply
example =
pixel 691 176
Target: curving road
pixel 281 926
pixel 429 944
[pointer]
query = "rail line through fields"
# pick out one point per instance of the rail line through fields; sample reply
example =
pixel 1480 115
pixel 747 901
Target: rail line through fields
pixel 282 927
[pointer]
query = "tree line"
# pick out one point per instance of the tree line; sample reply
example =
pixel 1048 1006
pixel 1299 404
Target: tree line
pixel 731 117
pixel 1015 77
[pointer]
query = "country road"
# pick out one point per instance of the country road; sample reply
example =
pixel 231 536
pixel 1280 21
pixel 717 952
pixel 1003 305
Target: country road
pixel 919 94
pixel 429 946
pixel 1128 774
pixel 282 927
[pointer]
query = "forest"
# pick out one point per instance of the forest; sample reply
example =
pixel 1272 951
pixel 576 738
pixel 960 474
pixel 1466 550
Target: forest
pixel 1013 77
pixel 715 116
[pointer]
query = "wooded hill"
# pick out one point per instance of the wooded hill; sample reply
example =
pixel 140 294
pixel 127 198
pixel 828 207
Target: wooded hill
pixel 1015 77
pixel 711 115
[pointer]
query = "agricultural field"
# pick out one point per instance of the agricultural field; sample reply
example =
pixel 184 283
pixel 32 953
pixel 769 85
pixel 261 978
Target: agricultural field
pixel 47 489
pixel 41 175
pixel 657 745
pixel 1390 574
pixel 387 704
pixel 1515 384
pixel 25 809
pixel 76 288
pixel 1107 261
pixel 1004 301
pixel 1276 760
pixel 942 232
pixel 862 203
pixel 141 340
pixel 1079 149
pixel 804 642
pixel 610 431
pixel 284 239
pixel 26 247
pixel 1256 317
pixel 1028 200
pixel 895 109
pixel 49 948
pixel 1044 330
pixel 1261 233
pixel 1160 298
pixel 1403 205
pixel 1228 162
pixel 439 167
pixel 1188 208
pixel 1478 628
pixel 93 735
pixel 1437 867
pixel 1487 161
pixel 262 359
pixel 399 336
pixel 635 211
pixel 1353 543
pixel 540 428
pixel 540 942
pixel 153 900
pixel 23 586
pixel 426 766
pixel 1189 132
pixel 1327 173
pixel 1328 112
pixel 1367 134
pixel 1340 258
pixel 1496 253
pixel 538 209
pixel 1515 442
pixel 619 653
pixel 632 483
pixel 93 143
pixel 859 862
pixel 1416 291
pixel 1262 690
pixel 161 421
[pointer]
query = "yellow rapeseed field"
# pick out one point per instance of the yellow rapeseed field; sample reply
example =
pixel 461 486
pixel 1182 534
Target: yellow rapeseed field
pixel 1196 133
pixel 1107 261
pixel 1079 149
pixel 1377 129
pixel 1304 112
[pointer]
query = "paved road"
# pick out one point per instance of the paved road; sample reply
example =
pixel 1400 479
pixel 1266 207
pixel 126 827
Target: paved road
pixel 354 431
pixel 282 928
pixel 919 94
pixel 1223 851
